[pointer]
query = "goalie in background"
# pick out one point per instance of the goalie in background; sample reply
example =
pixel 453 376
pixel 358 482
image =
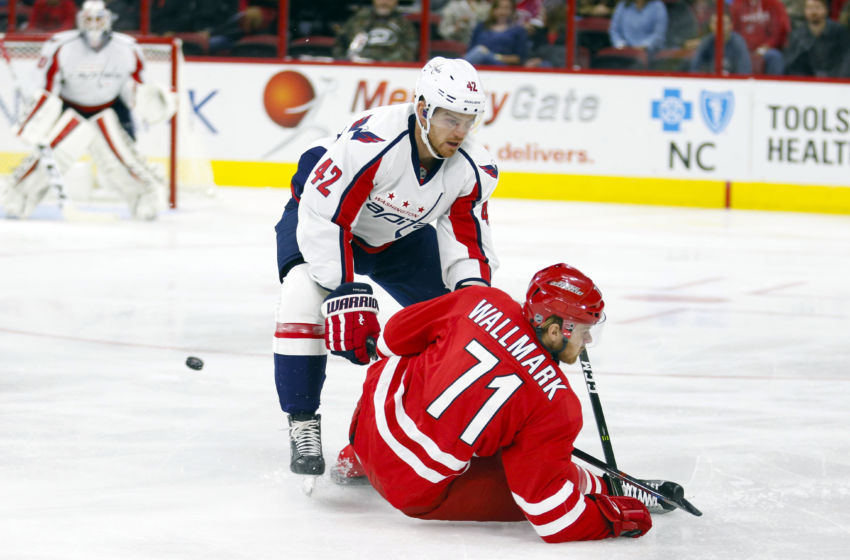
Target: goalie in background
pixel 92 78
pixel 468 417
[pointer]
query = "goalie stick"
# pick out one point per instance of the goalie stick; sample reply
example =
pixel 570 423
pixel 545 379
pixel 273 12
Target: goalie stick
pixel 15 82
pixel 601 425
pixel 670 493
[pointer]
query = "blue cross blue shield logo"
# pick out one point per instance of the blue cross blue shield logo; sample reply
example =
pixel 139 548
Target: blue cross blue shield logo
pixel 671 110
pixel 716 109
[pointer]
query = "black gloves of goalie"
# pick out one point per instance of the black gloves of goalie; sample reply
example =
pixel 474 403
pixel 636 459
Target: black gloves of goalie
pixel 351 317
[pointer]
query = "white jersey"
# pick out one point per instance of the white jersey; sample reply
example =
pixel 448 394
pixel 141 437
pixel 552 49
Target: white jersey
pixel 88 78
pixel 368 188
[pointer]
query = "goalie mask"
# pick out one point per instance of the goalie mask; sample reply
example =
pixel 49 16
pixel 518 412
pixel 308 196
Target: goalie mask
pixel 94 22
pixel 451 84
pixel 565 292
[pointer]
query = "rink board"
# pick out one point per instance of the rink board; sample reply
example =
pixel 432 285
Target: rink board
pixel 740 143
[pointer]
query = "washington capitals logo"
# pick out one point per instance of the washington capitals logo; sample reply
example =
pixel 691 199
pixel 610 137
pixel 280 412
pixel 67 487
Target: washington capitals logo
pixel 490 170
pixel 363 135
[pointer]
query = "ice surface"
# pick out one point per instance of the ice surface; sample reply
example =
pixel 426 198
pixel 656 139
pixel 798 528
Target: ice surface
pixel 725 366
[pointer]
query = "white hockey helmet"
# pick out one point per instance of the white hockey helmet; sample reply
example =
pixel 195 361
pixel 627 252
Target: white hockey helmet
pixel 452 84
pixel 95 22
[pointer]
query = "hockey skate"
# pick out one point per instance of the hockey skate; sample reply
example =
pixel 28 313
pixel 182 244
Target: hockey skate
pixel 652 503
pixel 347 470
pixel 305 439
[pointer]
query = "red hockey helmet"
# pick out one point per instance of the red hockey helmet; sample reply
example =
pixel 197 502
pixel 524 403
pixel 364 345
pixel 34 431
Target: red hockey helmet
pixel 563 291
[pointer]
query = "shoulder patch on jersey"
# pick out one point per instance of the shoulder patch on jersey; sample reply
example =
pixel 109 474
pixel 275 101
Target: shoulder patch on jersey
pixel 490 170
pixel 364 135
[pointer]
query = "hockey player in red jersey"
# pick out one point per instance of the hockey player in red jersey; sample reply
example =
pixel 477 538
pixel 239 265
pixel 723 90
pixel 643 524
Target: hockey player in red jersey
pixel 400 195
pixel 467 415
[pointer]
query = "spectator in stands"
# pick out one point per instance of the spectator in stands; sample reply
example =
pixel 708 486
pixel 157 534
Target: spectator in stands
pixel 126 16
pixel 764 25
pixel 499 40
pixel 379 32
pixel 844 16
pixel 640 24
pixel 530 13
pixel 460 17
pixel 703 11
pixel 548 43
pixel 736 55
pixel 682 24
pixel 200 16
pixel 844 69
pixel 52 15
pixel 795 9
pixel 818 47
pixel 258 18
pixel 595 8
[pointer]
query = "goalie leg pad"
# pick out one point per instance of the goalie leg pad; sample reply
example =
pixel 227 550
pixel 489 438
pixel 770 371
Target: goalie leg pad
pixel 124 169
pixel 27 186
pixel 65 143
pixel 40 117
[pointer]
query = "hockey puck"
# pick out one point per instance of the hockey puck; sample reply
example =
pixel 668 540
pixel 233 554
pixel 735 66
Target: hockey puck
pixel 194 363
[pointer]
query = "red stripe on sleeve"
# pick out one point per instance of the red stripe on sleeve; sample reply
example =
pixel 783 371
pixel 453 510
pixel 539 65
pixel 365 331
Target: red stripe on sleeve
pixel 137 75
pixel 52 70
pixel 347 255
pixel 467 231
pixel 347 211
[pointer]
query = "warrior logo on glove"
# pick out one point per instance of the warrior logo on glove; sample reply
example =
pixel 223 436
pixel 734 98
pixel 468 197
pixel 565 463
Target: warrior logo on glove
pixel 351 317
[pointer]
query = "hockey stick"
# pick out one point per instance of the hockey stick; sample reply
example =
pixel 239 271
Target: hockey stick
pixel 16 83
pixel 601 425
pixel 668 492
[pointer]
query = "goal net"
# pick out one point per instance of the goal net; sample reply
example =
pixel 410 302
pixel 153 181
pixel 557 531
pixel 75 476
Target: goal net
pixel 175 146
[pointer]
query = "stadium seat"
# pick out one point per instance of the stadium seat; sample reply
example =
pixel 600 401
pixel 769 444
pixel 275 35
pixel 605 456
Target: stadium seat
pixel 312 46
pixel 621 59
pixel 433 22
pixel 448 49
pixel 592 34
pixel 256 46
pixel 672 60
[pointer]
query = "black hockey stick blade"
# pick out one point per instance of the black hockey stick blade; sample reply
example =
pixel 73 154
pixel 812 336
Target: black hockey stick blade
pixel 670 493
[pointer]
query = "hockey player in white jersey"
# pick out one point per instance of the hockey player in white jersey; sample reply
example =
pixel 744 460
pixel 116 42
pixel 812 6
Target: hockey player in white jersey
pixel 92 77
pixel 399 196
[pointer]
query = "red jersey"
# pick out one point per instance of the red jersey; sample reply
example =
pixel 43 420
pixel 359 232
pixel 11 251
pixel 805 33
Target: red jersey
pixel 761 22
pixel 466 377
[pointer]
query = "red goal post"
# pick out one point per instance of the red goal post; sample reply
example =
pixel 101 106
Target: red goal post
pixel 174 146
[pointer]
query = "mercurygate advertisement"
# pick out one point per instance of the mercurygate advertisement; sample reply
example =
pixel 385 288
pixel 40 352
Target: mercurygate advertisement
pixel 737 130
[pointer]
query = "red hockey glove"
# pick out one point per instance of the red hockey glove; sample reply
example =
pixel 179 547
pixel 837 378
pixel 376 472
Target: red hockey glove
pixel 351 317
pixel 628 516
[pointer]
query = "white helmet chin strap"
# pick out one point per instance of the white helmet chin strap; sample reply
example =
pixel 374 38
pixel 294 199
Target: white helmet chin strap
pixel 425 129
